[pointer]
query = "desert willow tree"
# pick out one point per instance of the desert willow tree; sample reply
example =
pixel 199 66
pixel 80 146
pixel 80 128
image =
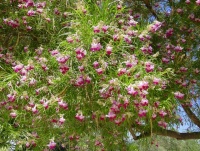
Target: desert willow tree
pixel 86 73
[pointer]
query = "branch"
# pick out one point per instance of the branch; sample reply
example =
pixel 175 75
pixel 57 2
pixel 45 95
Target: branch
pixel 191 115
pixel 148 5
pixel 133 134
pixel 172 7
pixel 170 133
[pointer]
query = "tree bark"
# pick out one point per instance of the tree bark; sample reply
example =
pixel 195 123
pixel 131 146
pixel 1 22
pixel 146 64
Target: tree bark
pixel 148 5
pixel 169 133
pixel 191 115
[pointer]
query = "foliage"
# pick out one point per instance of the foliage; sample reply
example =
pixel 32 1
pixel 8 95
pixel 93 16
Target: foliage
pixel 164 144
pixel 84 74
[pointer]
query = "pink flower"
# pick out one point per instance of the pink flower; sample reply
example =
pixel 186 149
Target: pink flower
pixel 116 37
pixel 97 143
pixel 80 81
pixel 147 50
pixel 23 72
pixel 136 103
pixel 81 68
pixel 196 71
pixel 198 2
pixel 63 68
pixel 179 11
pixel 18 67
pixel 157 25
pixel 144 102
pixel 121 71
pixel 162 113
pixel 62 59
pixel 11 97
pixel 79 117
pixel 162 124
pixel 88 79
pixel 119 6
pixel 41 4
pixel 39 10
pixel 54 52
pixel 156 81
pixel 32 82
pixel 70 39
pixel 143 85
pixel 132 32
pixel 142 113
pixel 137 15
pixel 95 64
pixel 95 47
pixel 99 71
pixel 13 23
pixel 115 108
pixel 52 145
pixel 191 16
pixel 169 32
pixel 63 105
pixel 46 105
pixel 30 13
pixel 109 50
pixel 183 69
pixel 126 103
pixel 193 81
pixel 165 60
pixel 61 120
pixel 56 11
pixel 28 145
pixel 141 37
pixel 187 1
pixel 131 90
pixel 102 117
pixel 132 22
pixel 96 29
pixel 105 28
pixel 127 39
pixel 29 67
pixel 29 3
pixel 44 67
pixel 178 48
pixel 111 115
pixel 118 122
pixel 80 53
pixel 154 116
pixel 26 49
pixel 34 110
pixel 156 104
pixel 184 84
pixel 48 19
pixel 149 67
pixel 179 95
pixel 13 114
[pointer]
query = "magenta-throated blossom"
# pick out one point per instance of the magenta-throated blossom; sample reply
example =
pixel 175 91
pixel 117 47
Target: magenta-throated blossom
pixel 179 95
pixel 95 46
pixel 131 90
pixel 149 66
pixel 142 113
pixel 144 102
pixel 52 145
pixel 198 2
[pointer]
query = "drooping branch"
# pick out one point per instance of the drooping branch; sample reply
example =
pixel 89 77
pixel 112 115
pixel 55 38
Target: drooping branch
pixel 191 115
pixel 170 133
